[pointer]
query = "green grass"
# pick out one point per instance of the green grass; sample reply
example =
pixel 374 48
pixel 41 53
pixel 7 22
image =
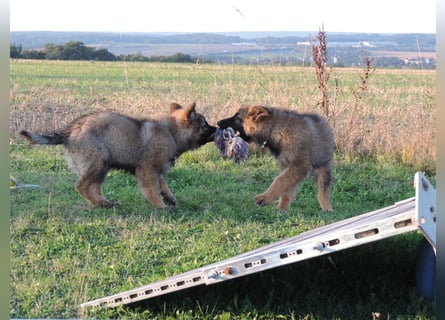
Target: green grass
pixel 64 252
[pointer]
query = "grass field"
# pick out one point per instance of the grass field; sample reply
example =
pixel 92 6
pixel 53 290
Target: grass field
pixel 64 253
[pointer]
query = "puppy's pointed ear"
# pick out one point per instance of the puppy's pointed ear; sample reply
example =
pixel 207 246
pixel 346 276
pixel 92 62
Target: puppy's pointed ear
pixel 174 106
pixel 258 113
pixel 190 111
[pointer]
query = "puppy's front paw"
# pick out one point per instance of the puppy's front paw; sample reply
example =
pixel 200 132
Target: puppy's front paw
pixel 169 198
pixel 327 209
pixel 107 203
pixel 261 200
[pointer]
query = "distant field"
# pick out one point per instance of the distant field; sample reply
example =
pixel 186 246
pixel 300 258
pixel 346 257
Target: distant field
pixel 244 50
pixel 64 252
pixel 195 50
pixel 403 54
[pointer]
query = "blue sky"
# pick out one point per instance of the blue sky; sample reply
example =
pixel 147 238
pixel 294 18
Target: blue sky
pixel 388 16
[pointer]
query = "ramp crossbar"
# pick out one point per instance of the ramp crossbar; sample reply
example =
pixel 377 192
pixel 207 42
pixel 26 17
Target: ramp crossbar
pixel 372 226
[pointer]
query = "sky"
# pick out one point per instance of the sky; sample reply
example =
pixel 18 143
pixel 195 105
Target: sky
pixel 380 16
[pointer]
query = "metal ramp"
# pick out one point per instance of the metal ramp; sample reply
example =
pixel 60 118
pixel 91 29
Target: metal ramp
pixel 417 213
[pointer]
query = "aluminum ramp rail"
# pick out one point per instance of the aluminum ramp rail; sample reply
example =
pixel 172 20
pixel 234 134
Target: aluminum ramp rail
pixel 417 213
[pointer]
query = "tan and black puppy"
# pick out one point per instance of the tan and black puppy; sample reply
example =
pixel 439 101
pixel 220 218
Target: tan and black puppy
pixel 98 142
pixel 300 142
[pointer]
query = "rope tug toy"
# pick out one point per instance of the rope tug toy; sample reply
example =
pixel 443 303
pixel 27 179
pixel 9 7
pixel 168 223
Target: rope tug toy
pixel 230 145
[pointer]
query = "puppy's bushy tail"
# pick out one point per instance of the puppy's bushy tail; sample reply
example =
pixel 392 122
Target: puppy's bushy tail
pixel 35 138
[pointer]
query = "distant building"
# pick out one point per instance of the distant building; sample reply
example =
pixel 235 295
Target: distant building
pixel 363 44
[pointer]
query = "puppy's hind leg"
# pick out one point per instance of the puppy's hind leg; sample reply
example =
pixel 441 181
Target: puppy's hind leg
pixel 89 166
pixel 323 177
pixel 149 182
pixel 89 186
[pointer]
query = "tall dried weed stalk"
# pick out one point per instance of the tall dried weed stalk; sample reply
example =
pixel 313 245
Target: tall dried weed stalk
pixel 320 59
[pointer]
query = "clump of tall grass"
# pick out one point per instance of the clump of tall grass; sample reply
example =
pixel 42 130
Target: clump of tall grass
pixel 405 134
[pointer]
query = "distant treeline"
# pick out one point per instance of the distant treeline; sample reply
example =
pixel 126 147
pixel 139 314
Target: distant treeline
pixel 76 50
